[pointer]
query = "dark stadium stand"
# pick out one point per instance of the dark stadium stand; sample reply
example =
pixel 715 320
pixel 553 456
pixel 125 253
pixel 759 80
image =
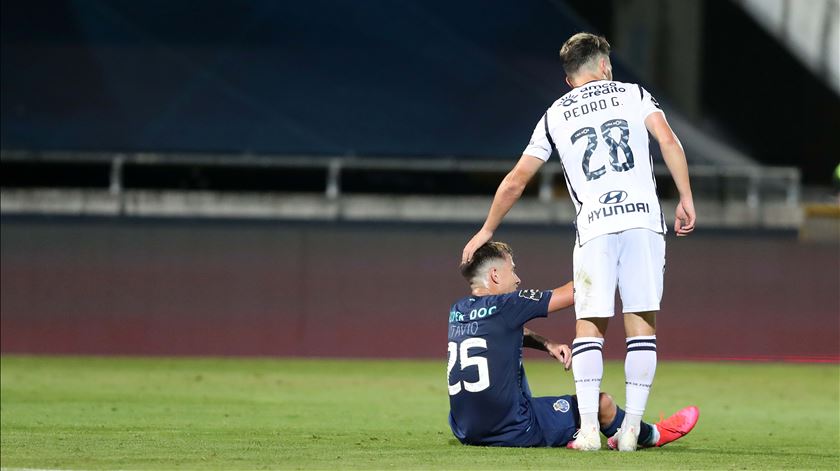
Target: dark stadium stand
pixel 317 77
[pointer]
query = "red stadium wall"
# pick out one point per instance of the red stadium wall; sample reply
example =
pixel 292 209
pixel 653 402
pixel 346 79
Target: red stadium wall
pixel 140 287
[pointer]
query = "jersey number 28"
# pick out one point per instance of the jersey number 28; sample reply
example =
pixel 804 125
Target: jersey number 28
pixel 466 362
pixel 622 143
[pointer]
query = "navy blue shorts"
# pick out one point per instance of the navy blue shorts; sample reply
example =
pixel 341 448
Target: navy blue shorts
pixel 558 417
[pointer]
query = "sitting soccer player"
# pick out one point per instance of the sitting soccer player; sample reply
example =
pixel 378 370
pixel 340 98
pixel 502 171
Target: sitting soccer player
pixel 490 401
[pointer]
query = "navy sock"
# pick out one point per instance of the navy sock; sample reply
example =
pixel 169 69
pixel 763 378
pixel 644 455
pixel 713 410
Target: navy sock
pixel 616 423
pixel 645 433
pixel 645 430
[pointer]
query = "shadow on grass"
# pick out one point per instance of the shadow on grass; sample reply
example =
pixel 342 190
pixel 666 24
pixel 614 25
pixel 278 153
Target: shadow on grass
pixel 685 451
pixel 743 452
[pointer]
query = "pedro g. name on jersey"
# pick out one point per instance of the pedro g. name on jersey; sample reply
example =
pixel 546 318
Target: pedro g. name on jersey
pixel 598 132
pixel 590 106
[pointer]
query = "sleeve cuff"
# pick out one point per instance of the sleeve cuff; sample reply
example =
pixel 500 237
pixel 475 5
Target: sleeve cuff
pixel 650 112
pixel 538 152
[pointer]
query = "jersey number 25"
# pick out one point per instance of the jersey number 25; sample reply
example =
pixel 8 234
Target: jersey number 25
pixel 466 362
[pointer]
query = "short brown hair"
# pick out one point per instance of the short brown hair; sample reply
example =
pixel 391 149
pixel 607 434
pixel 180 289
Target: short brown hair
pixel 489 251
pixel 580 48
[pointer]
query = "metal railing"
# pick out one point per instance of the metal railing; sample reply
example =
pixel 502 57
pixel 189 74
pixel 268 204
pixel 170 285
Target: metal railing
pixel 755 184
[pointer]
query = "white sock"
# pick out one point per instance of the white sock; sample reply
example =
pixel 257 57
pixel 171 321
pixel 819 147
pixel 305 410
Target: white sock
pixel 639 370
pixel 654 437
pixel 632 421
pixel 588 369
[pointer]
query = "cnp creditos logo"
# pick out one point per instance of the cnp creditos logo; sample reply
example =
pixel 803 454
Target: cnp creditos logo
pixel 569 99
pixel 613 197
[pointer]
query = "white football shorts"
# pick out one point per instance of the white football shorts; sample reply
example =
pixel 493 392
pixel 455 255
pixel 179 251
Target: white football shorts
pixel 633 260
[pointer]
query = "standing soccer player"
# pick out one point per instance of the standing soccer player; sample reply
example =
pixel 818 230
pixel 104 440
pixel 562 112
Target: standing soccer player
pixel 600 132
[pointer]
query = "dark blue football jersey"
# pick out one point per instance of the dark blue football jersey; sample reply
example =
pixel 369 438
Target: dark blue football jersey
pixel 488 392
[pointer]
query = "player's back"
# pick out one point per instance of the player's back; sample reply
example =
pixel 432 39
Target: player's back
pixel 488 401
pixel 598 130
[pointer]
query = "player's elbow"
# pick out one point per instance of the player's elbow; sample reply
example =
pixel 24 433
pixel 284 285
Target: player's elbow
pixel 512 187
pixel 669 140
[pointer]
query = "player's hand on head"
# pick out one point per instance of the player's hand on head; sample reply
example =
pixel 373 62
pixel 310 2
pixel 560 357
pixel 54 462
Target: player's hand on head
pixel 480 238
pixel 685 217
pixel 561 352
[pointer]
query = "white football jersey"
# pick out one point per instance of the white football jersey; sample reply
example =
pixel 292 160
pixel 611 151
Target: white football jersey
pixel 598 130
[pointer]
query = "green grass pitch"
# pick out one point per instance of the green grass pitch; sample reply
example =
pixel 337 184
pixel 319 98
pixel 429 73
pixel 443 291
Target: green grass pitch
pixel 160 413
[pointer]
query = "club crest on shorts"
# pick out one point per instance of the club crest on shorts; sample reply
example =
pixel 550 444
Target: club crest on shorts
pixel 532 294
pixel 561 405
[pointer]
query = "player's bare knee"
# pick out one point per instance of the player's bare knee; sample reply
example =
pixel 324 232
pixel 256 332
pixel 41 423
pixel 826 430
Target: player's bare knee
pixel 606 402
pixel 640 323
pixel 591 327
pixel 606 409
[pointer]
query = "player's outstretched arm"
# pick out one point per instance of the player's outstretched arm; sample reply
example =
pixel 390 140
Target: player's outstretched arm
pixel 674 155
pixel 562 297
pixel 561 352
pixel 507 194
